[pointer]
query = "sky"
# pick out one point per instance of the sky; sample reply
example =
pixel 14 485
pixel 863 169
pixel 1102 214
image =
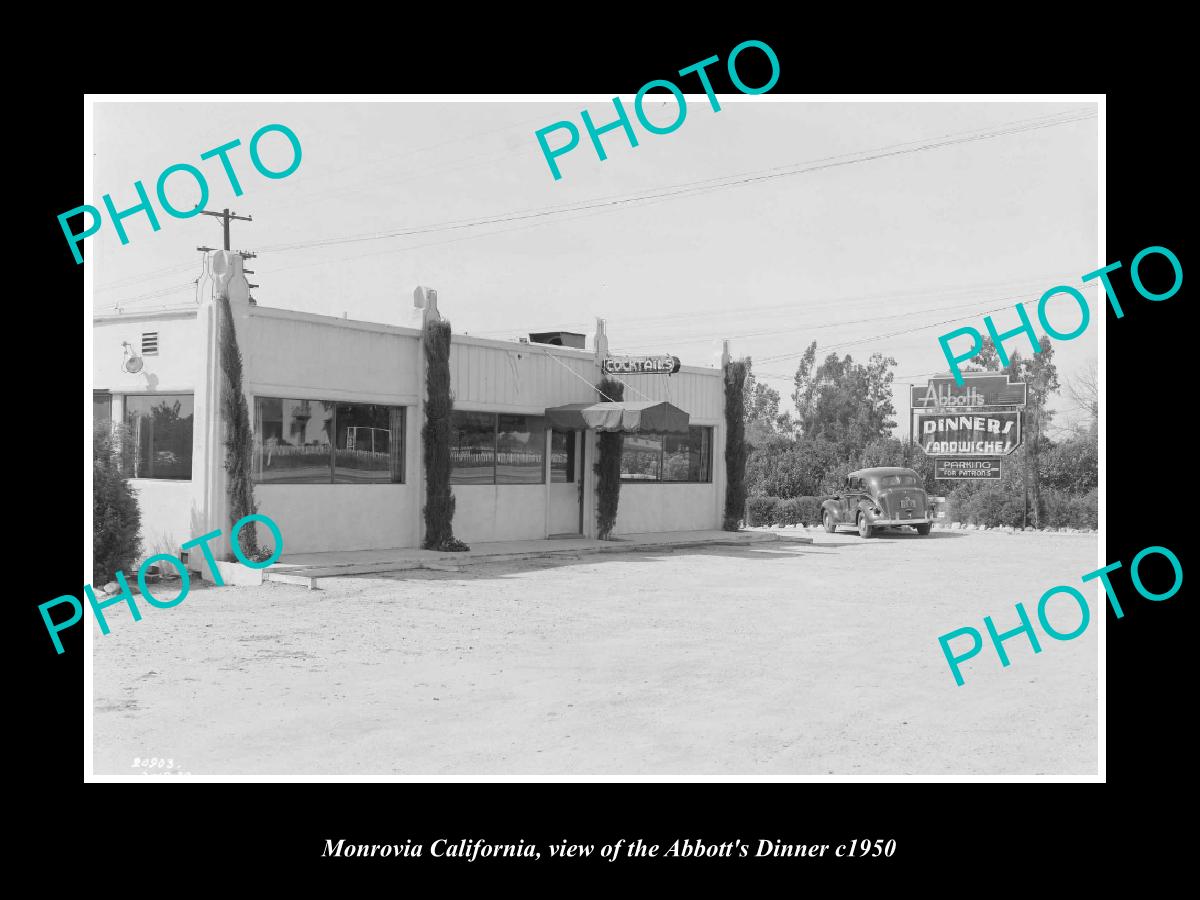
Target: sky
pixel 863 238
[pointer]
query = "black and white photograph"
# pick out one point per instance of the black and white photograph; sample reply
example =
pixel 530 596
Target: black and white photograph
pixel 693 434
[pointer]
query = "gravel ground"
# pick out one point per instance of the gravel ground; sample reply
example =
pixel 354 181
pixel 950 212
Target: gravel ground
pixel 783 659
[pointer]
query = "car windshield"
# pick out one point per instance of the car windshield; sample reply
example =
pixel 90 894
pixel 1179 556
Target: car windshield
pixel 888 481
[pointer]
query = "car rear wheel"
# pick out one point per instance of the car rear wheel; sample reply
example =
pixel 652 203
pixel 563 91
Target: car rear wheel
pixel 922 529
pixel 830 527
pixel 864 526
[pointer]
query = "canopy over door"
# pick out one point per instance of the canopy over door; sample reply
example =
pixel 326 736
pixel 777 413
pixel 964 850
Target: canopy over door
pixel 625 415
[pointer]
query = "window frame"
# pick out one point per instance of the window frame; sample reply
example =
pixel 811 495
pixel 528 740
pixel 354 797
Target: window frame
pixel 128 452
pixel 662 445
pixel 256 465
pixel 98 394
pixel 543 478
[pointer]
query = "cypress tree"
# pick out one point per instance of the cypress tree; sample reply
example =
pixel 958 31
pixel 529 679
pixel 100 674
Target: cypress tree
pixel 436 436
pixel 608 466
pixel 735 444
pixel 239 439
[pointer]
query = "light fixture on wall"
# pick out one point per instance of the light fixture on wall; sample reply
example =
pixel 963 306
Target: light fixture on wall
pixel 130 361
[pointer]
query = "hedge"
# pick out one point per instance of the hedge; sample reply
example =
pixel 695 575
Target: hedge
pixel 116 520
pixel 762 511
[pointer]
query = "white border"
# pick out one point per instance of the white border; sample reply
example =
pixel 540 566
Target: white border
pixel 1101 604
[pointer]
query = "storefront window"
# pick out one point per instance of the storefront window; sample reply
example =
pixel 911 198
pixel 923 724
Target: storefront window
pixel 651 457
pixel 160 436
pixel 641 457
pixel 364 443
pixel 686 457
pixel 473 448
pixel 491 448
pixel 520 450
pixel 322 442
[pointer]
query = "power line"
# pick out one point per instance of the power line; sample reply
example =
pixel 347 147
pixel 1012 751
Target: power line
pixel 145 276
pixel 689 188
pixel 876 337
pixel 154 295
pixel 790 307
pixel 775 331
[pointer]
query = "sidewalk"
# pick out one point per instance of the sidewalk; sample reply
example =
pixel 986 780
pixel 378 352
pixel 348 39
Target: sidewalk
pixel 307 568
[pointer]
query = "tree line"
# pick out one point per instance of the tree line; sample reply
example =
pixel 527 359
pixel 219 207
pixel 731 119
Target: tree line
pixel 844 419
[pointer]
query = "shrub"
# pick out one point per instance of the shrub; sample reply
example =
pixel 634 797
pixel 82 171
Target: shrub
pixel 809 510
pixel 762 511
pixel 116 520
pixel 990 507
pixel 789 512
pixel 1066 510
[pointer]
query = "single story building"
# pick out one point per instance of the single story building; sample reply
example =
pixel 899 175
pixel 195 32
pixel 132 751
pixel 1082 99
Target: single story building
pixel 336 407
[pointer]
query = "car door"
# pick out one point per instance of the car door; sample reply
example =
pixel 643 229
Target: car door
pixel 842 498
pixel 853 493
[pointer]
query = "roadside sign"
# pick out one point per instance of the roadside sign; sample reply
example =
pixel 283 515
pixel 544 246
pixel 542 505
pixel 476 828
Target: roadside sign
pixel 967 469
pixel 978 434
pixel 977 390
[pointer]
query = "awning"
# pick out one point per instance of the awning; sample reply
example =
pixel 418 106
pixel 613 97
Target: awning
pixel 625 415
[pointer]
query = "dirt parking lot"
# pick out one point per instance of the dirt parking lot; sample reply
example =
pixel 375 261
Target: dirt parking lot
pixel 778 659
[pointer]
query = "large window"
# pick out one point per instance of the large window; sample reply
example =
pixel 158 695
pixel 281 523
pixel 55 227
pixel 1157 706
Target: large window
pixel 160 436
pixel 323 442
pixel 651 457
pixel 497 448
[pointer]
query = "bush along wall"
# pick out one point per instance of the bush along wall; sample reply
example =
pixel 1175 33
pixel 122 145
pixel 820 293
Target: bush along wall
pixel 116 520
pixel 436 437
pixel 735 444
pixel 239 439
pixel 608 466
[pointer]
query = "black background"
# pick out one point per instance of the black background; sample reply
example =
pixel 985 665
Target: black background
pixel 953 836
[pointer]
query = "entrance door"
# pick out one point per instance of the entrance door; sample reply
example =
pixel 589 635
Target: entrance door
pixel 566 483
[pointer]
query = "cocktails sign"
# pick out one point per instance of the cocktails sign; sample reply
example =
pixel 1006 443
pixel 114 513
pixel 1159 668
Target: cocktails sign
pixel 641 365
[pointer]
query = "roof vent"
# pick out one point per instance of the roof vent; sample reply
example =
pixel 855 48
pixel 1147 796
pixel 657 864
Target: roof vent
pixel 559 338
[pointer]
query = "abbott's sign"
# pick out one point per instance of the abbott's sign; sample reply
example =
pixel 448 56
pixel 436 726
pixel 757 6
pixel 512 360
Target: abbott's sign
pixel 991 434
pixel 976 390
pixel 641 365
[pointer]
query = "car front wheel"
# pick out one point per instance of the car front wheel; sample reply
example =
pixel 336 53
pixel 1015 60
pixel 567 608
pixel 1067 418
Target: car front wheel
pixel 830 527
pixel 864 526
pixel 923 529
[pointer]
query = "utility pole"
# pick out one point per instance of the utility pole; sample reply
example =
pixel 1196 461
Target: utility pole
pixel 226 216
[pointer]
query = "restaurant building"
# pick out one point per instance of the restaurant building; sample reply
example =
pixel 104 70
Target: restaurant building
pixel 337 411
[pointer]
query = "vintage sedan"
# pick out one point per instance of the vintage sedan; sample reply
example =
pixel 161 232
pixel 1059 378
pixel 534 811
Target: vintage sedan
pixel 879 498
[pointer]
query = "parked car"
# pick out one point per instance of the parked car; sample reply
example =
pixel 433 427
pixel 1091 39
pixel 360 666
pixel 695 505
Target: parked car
pixel 879 498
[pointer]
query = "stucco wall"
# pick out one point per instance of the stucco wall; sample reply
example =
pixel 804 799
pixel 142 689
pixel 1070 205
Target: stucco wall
pixel 174 368
pixel 290 354
pixel 500 512
pixel 667 507
pixel 318 517
pixel 167 515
